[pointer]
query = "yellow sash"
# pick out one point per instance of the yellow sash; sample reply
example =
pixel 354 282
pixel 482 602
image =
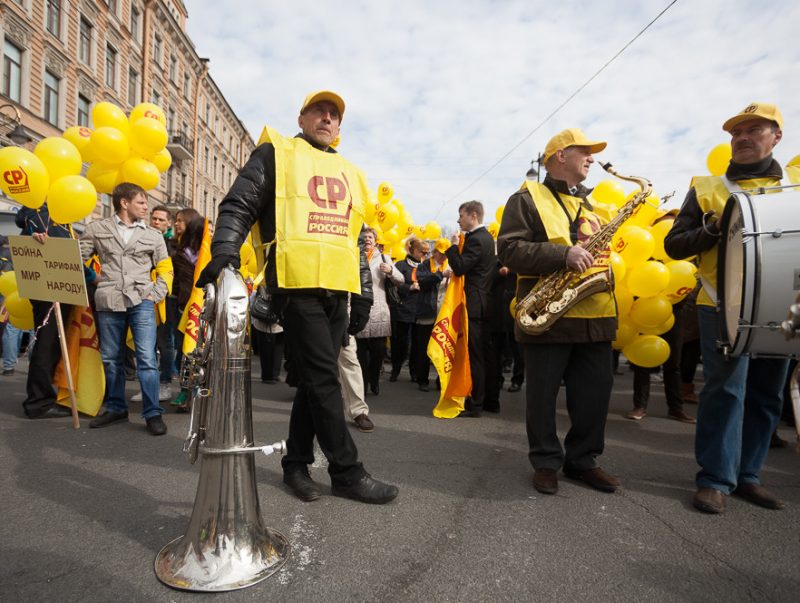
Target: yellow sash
pixel 599 305
pixel 320 200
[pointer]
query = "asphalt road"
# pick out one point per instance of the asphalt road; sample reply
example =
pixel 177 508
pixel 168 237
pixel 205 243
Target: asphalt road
pixel 86 511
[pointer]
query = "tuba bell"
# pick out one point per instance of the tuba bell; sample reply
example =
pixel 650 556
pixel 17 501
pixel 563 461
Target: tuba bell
pixel 226 545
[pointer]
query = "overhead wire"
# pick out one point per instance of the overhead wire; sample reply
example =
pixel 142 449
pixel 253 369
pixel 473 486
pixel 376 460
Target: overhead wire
pixel 555 111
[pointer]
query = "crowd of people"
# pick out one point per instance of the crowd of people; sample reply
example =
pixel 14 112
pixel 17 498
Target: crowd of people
pixel 347 309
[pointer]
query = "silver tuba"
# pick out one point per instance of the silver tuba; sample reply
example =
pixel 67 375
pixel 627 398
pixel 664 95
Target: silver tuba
pixel 226 545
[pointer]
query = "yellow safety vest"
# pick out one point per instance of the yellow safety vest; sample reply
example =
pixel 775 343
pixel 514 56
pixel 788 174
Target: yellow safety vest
pixel 712 195
pixel 556 224
pixel 320 200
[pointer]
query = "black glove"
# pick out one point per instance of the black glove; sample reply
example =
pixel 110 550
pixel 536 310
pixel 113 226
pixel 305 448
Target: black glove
pixel 359 314
pixel 214 267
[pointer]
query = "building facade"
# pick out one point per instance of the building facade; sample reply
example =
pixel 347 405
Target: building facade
pixel 60 57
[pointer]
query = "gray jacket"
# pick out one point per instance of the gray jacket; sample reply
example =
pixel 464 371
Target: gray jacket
pixel 124 269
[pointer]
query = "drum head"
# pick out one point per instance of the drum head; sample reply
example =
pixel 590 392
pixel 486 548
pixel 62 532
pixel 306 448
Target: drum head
pixel 731 271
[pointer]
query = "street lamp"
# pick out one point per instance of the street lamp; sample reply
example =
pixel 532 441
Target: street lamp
pixel 533 173
pixel 19 135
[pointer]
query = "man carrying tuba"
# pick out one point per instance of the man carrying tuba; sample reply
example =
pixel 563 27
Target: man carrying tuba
pixel 310 202
pixel 542 231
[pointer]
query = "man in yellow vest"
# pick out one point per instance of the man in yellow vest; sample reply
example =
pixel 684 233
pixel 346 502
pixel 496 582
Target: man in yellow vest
pixel 742 398
pixel 542 230
pixel 309 202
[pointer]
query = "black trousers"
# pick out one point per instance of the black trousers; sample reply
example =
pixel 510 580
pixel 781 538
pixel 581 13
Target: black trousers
pixel 41 395
pixel 586 370
pixel 690 358
pixel 370 352
pixel 418 359
pixel 270 354
pixel 671 369
pixel 401 336
pixel 479 344
pixel 315 325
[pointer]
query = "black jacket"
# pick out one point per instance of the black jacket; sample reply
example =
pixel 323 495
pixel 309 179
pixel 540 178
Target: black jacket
pixel 252 198
pixel 476 263
pixel 417 304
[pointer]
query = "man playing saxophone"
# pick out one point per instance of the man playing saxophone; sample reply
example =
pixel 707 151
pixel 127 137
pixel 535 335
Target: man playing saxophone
pixel 543 228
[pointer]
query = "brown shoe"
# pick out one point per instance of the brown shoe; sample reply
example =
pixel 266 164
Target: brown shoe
pixel 364 423
pixel 546 481
pixel 680 415
pixel 637 414
pixel 688 394
pixel 709 500
pixel 758 495
pixel 596 478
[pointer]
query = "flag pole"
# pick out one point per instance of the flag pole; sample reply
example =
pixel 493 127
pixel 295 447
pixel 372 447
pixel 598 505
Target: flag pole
pixel 76 423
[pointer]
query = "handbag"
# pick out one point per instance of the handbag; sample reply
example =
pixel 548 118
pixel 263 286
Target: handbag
pixel 262 307
pixel 392 294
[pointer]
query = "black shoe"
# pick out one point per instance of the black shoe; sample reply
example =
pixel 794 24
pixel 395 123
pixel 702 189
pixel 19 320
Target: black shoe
pixel 302 486
pixel 367 490
pixel 470 414
pixel 493 408
pixel 424 387
pixel 393 377
pixel 514 387
pixel 7 372
pixel 156 426
pixel 54 412
pixel 376 389
pixel 108 418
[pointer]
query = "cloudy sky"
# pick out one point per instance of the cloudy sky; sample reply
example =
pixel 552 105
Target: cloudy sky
pixel 438 91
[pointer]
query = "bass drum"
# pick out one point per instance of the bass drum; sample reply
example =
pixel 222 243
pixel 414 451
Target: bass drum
pixel 758 272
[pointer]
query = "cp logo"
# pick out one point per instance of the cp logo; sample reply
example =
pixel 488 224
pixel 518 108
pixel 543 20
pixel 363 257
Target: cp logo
pixel 15 177
pixel 335 190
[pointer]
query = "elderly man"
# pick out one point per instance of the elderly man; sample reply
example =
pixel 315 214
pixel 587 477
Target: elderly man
pixel 310 202
pixel 742 398
pixel 542 231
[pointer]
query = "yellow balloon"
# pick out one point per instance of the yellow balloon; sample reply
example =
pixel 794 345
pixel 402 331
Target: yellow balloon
pixel 648 279
pixel 624 300
pixel 718 159
pixel 419 232
pixel 103 177
pixel 71 199
pixel 498 214
pixel 794 161
pixel 634 244
pixel 609 191
pixel 647 351
pixel 433 230
pixel 649 312
pixel 617 266
pixel 141 172
pixel 682 279
pixel 662 328
pixel 385 192
pixel 23 323
pixel 370 211
pixel 81 137
pixel 110 145
pixel 162 160
pixel 148 137
pixel 59 156
pixel 8 282
pixel 150 111
pixel 18 305
pixel 23 176
pixel 646 212
pixel 660 230
pixel 494 229
pixel 392 235
pixel 388 215
pixel 108 115
pixel 399 205
pixel 398 250
pixel 626 333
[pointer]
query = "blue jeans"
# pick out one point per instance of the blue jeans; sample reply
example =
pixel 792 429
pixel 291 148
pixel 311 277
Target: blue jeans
pixel 739 409
pixel 12 336
pixel 113 330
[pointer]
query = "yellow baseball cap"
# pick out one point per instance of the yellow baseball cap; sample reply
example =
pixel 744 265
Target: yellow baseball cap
pixel 570 138
pixel 442 245
pixel 754 111
pixel 324 95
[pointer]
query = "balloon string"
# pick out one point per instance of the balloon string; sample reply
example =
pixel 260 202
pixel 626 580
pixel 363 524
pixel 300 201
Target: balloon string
pixel 41 326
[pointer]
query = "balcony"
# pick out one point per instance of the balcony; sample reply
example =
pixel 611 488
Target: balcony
pixel 177 201
pixel 180 146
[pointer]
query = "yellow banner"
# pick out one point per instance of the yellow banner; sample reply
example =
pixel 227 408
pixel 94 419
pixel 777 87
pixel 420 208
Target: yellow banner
pixel 190 321
pixel 86 365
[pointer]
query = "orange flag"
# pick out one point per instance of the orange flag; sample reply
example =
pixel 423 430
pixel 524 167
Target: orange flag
pixel 190 321
pixel 447 349
pixel 86 364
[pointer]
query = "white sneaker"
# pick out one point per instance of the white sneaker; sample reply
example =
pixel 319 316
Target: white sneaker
pixel 164 393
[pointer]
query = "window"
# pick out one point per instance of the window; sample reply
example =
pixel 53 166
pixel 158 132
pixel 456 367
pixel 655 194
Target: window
pixel 156 98
pixel 112 6
pixel 133 87
pixel 54 17
pixel 51 86
pixel 173 69
pixel 111 66
pixel 187 86
pixel 12 71
pixel 208 111
pixel 158 42
pixel 85 42
pixel 205 160
pixel 170 118
pixel 136 19
pixel 215 168
pixel 183 184
pixel 83 110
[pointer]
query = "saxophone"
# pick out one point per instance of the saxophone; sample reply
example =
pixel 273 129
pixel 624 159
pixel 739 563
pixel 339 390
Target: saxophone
pixel 556 293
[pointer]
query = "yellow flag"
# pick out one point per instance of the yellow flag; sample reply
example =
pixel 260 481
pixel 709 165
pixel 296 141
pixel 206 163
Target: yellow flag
pixel 86 364
pixel 190 321
pixel 164 270
pixel 447 349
